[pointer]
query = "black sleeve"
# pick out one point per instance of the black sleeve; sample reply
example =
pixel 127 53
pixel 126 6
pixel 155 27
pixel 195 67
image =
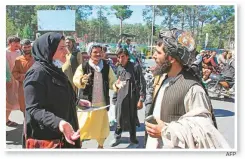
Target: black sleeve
pixel 114 96
pixel 35 99
pixel 141 81
pixel 149 97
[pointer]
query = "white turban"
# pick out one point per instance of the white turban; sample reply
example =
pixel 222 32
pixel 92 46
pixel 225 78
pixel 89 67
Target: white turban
pixel 90 46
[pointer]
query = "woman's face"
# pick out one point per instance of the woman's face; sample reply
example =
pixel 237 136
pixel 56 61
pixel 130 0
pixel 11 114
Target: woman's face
pixel 61 51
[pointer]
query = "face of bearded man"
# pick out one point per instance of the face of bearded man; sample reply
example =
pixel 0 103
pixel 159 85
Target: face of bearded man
pixel 163 65
pixel 163 68
pixel 26 49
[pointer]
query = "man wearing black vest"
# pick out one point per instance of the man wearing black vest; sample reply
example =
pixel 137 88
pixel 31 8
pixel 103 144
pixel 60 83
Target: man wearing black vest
pixel 73 60
pixel 95 77
pixel 180 104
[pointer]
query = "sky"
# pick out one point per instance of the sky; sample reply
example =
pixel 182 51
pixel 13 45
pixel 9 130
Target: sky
pixel 136 16
pixel 64 20
pixel 56 20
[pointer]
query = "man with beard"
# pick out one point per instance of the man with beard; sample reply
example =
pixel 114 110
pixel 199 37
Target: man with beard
pixel 180 104
pixel 95 77
pixel 73 60
pixel 129 98
pixel 22 64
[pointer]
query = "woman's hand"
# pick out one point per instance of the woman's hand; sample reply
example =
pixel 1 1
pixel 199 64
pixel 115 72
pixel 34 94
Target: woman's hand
pixel 68 132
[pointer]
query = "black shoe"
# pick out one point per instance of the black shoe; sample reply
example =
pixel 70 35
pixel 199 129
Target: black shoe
pixel 115 142
pixel 133 145
pixel 134 141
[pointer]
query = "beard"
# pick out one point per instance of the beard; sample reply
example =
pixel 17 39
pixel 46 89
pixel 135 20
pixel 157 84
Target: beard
pixel 27 52
pixel 162 68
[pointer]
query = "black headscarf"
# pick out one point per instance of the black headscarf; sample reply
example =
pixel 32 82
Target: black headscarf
pixel 43 51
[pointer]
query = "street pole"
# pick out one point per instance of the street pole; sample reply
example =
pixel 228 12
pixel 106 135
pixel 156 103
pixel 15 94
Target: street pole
pixel 100 26
pixel 152 26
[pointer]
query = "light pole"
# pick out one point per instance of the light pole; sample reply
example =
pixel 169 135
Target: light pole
pixel 152 27
pixel 100 25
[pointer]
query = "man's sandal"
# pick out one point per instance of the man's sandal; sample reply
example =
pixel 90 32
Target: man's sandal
pixel 11 124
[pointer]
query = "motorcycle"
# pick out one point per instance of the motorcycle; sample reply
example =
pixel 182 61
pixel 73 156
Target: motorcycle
pixel 148 75
pixel 221 86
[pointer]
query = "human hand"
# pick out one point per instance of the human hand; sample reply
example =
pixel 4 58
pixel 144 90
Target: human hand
pixel 83 102
pixel 84 79
pixel 8 85
pixel 120 84
pixel 68 132
pixel 213 54
pixel 154 130
pixel 139 105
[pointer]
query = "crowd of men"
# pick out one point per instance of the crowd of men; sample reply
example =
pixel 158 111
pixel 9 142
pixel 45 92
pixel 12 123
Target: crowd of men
pixel 217 67
pixel 176 96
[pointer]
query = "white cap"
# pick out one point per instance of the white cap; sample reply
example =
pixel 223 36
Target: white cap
pixel 90 46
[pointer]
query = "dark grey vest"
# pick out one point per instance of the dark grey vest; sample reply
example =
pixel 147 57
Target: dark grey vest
pixel 173 100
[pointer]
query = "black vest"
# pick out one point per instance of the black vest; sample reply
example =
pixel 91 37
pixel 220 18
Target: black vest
pixel 88 90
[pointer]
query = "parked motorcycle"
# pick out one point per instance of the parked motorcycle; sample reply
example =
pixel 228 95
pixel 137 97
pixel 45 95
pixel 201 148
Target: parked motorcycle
pixel 220 86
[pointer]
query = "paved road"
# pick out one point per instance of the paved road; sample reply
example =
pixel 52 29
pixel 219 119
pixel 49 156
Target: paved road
pixel 224 112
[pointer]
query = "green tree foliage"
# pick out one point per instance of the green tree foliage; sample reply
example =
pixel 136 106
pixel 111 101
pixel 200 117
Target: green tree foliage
pixel 27 32
pixel 122 12
pixel 10 27
pixel 217 21
pixel 169 12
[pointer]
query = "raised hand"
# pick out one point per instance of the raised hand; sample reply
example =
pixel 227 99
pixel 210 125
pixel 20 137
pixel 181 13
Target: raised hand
pixel 120 84
pixel 84 78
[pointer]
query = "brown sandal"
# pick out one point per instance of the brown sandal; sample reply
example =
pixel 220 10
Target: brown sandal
pixel 11 124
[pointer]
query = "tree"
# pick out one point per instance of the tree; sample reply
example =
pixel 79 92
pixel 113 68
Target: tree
pixel 20 15
pixel 222 15
pixel 27 32
pixel 169 12
pixel 102 11
pixel 217 21
pixel 122 13
pixel 10 27
pixel 204 15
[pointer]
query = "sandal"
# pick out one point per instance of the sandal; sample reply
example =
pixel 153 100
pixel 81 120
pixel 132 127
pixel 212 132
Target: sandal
pixel 100 147
pixel 11 124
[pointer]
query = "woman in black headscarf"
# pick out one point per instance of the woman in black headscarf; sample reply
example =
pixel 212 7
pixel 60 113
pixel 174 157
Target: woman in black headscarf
pixel 49 97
